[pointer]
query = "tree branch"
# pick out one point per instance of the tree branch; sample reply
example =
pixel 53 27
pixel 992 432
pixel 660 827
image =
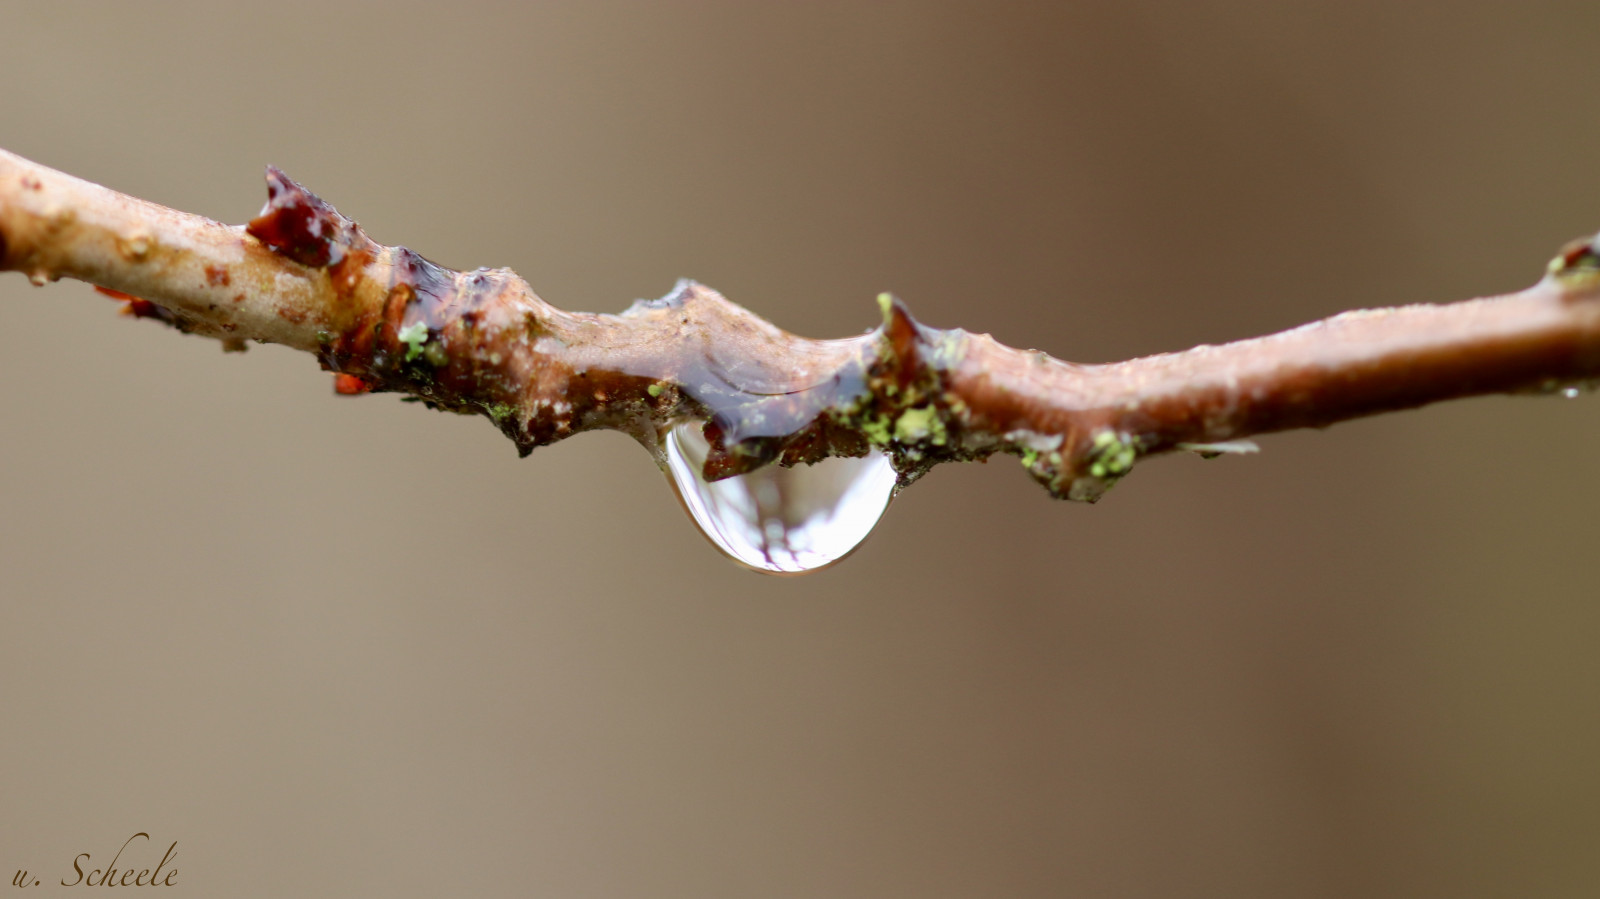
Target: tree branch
pixel 386 319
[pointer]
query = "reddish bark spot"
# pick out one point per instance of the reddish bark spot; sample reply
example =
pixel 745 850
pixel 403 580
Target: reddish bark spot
pixel 238 298
pixel 345 273
pixel 349 385
pixel 138 307
pixel 217 276
pixel 292 314
pixel 31 183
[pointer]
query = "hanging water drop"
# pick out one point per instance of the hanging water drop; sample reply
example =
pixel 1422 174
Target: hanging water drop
pixel 780 520
pixel 1570 393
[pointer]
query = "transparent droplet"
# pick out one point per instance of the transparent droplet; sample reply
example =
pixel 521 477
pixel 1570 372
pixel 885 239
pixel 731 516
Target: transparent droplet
pixel 1570 393
pixel 780 520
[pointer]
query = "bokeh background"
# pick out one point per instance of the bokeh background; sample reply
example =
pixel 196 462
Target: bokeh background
pixel 338 646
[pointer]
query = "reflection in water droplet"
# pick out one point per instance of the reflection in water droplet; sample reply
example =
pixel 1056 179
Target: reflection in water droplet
pixel 781 520
pixel 1570 393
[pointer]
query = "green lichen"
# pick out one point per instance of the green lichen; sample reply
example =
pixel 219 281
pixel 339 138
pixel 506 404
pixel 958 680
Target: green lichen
pixel 916 425
pixel 414 336
pixel 1111 455
pixel 876 429
pixel 655 390
pixel 1047 466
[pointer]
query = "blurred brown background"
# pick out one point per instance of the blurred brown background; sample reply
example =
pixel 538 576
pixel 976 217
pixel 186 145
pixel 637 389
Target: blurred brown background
pixel 341 647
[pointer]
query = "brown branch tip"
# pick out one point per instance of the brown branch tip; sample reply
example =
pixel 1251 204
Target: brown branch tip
pixel 385 319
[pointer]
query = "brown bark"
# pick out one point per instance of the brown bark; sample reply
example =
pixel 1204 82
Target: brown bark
pixel 386 319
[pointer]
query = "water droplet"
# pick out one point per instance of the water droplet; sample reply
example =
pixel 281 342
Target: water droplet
pixel 780 520
pixel 1570 393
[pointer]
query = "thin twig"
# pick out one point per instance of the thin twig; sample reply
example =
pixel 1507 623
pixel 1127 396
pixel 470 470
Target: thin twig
pixel 386 319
